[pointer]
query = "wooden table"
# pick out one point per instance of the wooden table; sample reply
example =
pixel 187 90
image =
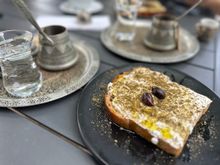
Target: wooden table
pixel 22 143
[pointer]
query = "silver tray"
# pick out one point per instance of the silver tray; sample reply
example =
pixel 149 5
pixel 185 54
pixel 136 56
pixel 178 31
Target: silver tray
pixel 136 50
pixel 59 84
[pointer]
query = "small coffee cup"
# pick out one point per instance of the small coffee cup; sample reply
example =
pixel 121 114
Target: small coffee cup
pixel 60 56
pixel 81 5
pixel 163 34
pixel 206 29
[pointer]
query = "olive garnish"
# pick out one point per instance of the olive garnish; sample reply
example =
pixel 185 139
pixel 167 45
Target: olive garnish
pixel 158 92
pixel 147 99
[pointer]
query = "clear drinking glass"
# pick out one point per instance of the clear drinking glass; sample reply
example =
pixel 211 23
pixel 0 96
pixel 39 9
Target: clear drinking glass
pixel 126 17
pixel 20 74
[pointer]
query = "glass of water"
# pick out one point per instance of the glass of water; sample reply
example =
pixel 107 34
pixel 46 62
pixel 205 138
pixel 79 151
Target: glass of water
pixel 21 77
pixel 126 18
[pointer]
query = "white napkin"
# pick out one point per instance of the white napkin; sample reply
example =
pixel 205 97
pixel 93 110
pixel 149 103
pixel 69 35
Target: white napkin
pixel 97 23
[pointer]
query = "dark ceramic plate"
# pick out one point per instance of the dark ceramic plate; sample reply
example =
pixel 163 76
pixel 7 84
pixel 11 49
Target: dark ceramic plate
pixel 113 145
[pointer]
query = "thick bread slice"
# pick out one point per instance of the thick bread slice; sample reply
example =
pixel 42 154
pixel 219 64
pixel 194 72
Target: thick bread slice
pixel 169 122
pixel 151 7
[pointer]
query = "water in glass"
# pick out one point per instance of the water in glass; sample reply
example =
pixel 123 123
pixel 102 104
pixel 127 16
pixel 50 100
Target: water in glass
pixel 126 18
pixel 20 74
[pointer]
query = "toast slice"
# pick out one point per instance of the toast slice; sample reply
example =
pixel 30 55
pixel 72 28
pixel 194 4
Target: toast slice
pixel 165 121
pixel 151 7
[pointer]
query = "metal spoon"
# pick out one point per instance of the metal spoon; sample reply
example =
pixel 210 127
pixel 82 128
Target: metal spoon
pixel 23 7
pixel 190 9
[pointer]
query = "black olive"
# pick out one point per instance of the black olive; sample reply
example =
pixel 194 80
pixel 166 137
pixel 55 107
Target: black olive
pixel 147 99
pixel 158 92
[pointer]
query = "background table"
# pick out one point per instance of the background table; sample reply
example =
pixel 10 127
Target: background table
pixel 22 143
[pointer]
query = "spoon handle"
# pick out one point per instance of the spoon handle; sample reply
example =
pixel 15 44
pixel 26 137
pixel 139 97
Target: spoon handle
pixel 20 4
pixel 189 10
